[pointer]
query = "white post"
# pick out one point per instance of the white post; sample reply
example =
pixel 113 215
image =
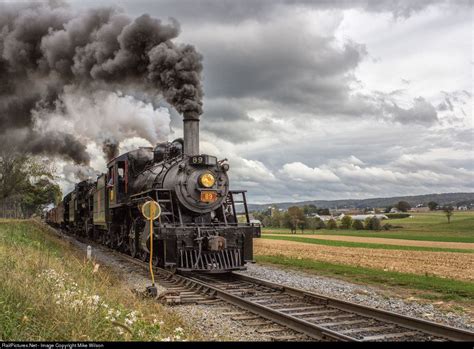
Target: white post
pixel 89 252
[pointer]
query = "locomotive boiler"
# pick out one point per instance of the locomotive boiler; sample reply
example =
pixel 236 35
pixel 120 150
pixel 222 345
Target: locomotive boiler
pixel 198 229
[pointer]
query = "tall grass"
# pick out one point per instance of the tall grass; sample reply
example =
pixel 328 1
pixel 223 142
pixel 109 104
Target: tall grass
pixel 49 292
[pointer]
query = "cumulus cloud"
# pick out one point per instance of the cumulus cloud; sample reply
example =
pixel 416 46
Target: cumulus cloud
pixel 300 172
pixel 421 112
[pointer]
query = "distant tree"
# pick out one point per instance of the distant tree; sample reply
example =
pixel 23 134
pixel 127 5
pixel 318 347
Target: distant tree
pixel 403 206
pixel 346 222
pixel 324 212
pixel 310 209
pixel 448 211
pixel 375 223
pixel 368 223
pixel 357 224
pixel 41 194
pixel 278 220
pixel 321 224
pixel 372 223
pixel 267 221
pixel 29 180
pixel 388 209
pixel 331 224
pixel 296 219
pixel 286 222
pixel 432 205
pixel 302 223
pixel 313 223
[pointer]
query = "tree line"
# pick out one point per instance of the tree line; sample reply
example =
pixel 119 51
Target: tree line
pixel 27 184
pixel 299 218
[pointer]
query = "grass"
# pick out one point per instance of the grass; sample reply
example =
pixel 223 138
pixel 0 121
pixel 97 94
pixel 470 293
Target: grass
pixel 430 226
pixel 363 244
pixel 440 288
pixel 49 292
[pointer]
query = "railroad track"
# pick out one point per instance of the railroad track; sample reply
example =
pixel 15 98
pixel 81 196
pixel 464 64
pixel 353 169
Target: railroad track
pixel 316 316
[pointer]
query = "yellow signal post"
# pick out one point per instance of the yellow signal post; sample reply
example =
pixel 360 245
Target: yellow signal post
pixel 151 210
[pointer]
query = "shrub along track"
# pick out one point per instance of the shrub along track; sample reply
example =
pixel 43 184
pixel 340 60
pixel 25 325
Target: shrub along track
pixel 266 304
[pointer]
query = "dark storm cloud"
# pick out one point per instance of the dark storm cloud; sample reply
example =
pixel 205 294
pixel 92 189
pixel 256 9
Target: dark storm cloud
pixel 284 66
pixel 46 48
pixel 231 11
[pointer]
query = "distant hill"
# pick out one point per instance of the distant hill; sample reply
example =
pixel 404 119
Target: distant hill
pixel 441 199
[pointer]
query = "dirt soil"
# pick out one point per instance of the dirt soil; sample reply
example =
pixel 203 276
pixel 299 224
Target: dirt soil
pixel 385 241
pixel 443 264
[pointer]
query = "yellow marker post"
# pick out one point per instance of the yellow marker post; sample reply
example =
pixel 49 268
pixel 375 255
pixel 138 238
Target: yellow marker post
pixel 151 210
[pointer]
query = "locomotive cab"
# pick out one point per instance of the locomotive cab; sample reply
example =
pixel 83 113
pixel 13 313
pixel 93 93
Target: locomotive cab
pixel 117 180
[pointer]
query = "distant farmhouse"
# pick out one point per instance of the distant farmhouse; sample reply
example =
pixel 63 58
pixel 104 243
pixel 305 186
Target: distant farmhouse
pixel 363 217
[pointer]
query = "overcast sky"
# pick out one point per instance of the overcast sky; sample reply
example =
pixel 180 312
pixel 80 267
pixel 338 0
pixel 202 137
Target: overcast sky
pixel 332 100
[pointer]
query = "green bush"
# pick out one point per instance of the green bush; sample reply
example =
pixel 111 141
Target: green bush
pixel 367 223
pixel 372 223
pixel 321 225
pixel 397 215
pixel 346 222
pixel 375 223
pixel 357 225
pixel 331 224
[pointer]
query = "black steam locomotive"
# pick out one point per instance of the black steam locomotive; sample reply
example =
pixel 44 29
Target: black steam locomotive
pixel 198 229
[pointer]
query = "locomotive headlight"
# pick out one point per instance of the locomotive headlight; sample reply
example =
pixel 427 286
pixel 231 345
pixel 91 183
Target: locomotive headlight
pixel 207 180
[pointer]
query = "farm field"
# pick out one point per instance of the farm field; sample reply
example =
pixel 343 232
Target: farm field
pixel 442 264
pixel 431 226
pixel 383 242
pixel 427 254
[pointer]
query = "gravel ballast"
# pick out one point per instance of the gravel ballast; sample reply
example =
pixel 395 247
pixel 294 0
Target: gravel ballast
pixel 366 295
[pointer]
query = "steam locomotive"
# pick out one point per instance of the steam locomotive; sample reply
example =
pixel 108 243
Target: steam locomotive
pixel 198 229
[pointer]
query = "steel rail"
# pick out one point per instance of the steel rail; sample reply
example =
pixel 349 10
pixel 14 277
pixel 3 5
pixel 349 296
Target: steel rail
pixel 448 332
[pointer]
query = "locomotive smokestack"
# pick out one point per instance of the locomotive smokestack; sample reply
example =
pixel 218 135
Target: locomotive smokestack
pixel 191 135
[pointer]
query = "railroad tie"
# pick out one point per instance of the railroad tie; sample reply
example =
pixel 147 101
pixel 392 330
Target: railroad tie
pixel 210 301
pixel 283 338
pixel 245 317
pixel 329 311
pixel 388 336
pixel 277 305
pixel 234 313
pixel 257 323
pixel 339 323
pixel 300 308
pixel 367 329
pixel 271 330
pixel 330 317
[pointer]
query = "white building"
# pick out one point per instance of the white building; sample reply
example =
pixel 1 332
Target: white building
pixel 362 217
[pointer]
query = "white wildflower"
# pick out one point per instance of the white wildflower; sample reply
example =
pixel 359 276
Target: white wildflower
pixel 179 330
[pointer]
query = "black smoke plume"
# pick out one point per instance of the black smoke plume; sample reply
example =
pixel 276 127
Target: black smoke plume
pixel 45 48
pixel 110 149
